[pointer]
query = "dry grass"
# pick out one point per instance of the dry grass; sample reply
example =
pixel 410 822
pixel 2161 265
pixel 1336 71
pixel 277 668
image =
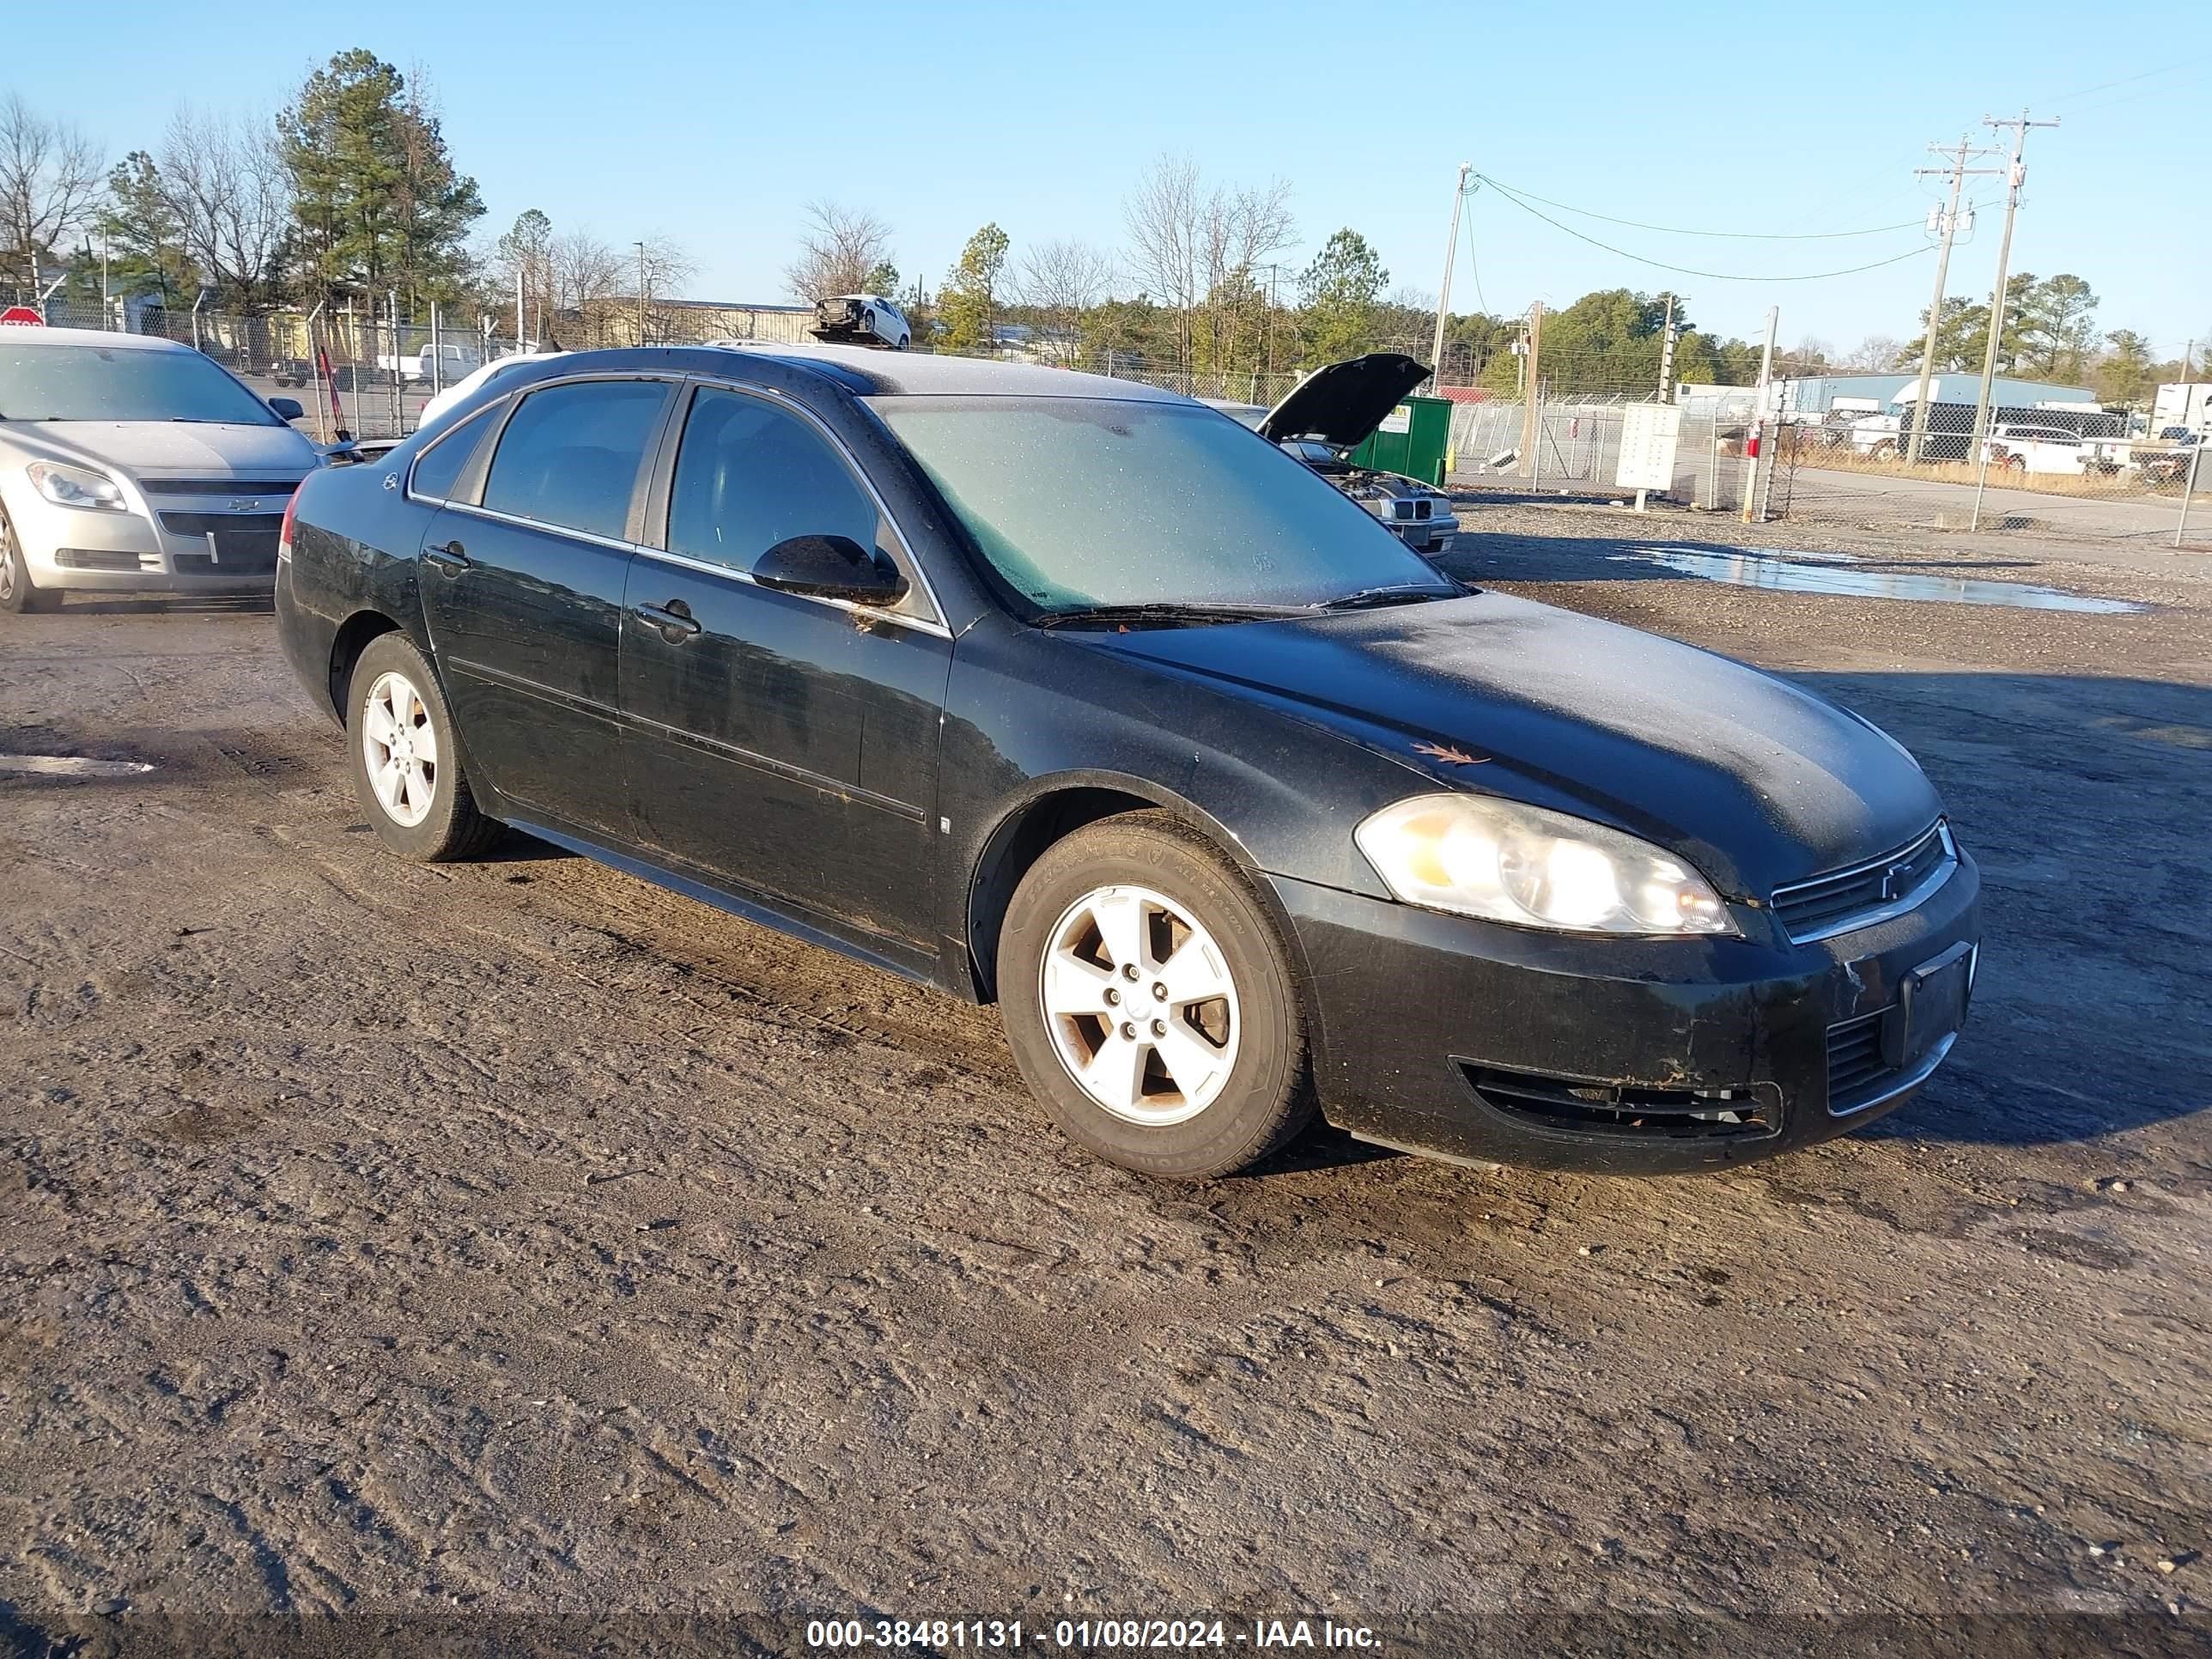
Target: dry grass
pixel 2112 486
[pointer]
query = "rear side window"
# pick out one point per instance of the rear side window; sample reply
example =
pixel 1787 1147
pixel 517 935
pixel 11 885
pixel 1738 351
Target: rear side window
pixel 443 463
pixel 749 475
pixel 571 453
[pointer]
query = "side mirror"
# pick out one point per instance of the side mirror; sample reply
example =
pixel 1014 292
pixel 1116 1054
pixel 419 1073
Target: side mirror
pixel 288 408
pixel 828 568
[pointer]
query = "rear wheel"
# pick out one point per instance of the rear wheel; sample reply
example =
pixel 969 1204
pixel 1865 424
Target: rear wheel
pixel 17 593
pixel 1149 1002
pixel 406 765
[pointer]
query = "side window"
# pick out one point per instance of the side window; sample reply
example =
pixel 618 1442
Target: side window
pixel 571 453
pixel 749 474
pixel 444 462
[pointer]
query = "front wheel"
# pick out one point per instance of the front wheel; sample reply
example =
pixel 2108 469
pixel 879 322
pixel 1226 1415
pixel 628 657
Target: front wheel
pixel 17 594
pixel 1149 1003
pixel 406 764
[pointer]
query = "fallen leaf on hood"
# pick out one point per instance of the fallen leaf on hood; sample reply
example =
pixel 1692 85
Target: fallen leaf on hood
pixel 1450 755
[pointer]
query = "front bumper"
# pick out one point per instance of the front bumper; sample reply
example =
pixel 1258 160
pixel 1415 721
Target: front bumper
pixel 1469 1040
pixel 71 550
pixel 1419 533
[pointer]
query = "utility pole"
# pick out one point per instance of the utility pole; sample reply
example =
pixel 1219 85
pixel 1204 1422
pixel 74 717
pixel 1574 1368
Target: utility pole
pixel 1666 352
pixel 1451 251
pixel 1958 171
pixel 2015 173
pixel 1531 427
pixel 641 293
pixel 1754 509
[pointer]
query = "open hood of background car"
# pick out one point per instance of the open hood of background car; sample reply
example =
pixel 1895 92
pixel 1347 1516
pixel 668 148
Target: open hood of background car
pixel 1343 403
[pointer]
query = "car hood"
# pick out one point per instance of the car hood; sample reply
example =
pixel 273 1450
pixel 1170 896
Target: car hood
pixel 171 448
pixel 1343 403
pixel 1755 781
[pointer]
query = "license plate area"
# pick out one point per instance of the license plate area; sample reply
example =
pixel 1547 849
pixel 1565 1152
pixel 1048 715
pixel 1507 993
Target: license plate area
pixel 1931 1005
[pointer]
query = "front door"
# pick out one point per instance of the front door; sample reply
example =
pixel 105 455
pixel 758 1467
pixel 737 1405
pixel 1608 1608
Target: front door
pixel 783 744
pixel 524 597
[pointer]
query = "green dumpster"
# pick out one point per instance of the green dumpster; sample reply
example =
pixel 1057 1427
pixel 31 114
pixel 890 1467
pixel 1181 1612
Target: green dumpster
pixel 1412 439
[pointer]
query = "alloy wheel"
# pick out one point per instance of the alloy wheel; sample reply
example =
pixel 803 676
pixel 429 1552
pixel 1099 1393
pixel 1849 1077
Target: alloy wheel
pixel 1140 1004
pixel 400 746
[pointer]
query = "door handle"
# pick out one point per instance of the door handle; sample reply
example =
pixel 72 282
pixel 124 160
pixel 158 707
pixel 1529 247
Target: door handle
pixel 453 558
pixel 674 620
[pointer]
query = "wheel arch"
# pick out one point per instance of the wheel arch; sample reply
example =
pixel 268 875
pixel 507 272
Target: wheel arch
pixel 353 637
pixel 1056 807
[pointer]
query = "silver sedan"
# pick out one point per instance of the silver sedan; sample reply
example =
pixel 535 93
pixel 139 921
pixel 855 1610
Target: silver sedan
pixel 133 465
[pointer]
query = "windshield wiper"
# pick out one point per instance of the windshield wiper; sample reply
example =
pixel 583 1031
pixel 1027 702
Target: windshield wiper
pixel 1171 612
pixel 1394 593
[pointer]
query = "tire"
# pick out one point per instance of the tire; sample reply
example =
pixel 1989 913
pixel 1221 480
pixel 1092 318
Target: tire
pixel 392 703
pixel 17 591
pixel 1241 1048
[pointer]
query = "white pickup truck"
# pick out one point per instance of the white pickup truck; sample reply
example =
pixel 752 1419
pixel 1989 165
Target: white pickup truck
pixel 452 359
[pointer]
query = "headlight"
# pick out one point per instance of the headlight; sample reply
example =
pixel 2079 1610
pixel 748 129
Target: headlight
pixel 1479 856
pixel 74 486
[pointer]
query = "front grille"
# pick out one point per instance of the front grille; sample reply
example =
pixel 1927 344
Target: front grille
pixel 223 524
pixel 95 558
pixel 242 488
pixel 246 555
pixel 1421 509
pixel 1402 509
pixel 1857 1074
pixel 1866 893
pixel 1627 1110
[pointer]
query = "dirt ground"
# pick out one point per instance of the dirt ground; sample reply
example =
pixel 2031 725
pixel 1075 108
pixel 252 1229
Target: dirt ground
pixel 515 1254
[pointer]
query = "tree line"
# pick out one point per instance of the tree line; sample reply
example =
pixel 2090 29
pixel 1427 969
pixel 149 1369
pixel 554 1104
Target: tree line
pixel 349 193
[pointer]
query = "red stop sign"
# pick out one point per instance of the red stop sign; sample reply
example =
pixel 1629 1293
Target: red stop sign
pixel 23 317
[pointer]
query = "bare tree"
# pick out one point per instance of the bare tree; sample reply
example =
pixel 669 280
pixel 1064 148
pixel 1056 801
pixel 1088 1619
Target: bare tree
pixel 662 267
pixel 226 185
pixel 1876 351
pixel 1063 281
pixel 586 273
pixel 841 250
pixel 49 184
pixel 1193 247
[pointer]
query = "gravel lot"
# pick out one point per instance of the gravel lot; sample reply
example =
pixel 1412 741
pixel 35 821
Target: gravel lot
pixel 516 1249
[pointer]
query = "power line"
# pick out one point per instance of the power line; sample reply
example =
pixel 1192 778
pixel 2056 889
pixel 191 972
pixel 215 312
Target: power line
pixel 2129 79
pixel 1688 270
pixel 1731 236
pixel 1474 270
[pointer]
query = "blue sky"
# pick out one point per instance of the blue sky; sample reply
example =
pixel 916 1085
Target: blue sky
pixel 715 124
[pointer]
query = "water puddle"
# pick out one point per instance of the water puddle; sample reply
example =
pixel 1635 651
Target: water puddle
pixel 1821 572
pixel 71 766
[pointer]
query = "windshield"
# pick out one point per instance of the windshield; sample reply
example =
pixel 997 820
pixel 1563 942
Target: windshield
pixel 1090 501
pixel 120 383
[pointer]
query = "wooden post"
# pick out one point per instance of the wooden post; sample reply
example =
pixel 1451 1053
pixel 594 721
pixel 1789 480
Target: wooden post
pixel 1530 428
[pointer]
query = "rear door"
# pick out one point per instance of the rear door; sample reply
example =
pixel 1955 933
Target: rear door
pixel 523 587
pixel 780 744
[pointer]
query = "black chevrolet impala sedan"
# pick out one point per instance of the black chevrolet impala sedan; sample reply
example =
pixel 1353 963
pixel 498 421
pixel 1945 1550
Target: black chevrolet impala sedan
pixel 1076 695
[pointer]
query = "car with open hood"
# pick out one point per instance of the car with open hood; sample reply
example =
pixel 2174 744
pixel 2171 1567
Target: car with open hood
pixel 1332 412
pixel 1066 693
pixel 134 464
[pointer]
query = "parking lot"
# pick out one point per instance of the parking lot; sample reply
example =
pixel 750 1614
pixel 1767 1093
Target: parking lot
pixel 516 1239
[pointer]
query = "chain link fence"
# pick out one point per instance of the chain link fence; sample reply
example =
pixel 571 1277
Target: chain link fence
pixel 2086 474
pixel 1573 448
pixel 2061 470
pixel 2066 473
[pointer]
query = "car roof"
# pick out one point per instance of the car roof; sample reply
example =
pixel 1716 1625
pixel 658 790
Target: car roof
pixel 871 372
pixel 59 337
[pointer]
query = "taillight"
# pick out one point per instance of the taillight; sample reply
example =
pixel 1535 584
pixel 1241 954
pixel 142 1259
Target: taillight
pixel 284 531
